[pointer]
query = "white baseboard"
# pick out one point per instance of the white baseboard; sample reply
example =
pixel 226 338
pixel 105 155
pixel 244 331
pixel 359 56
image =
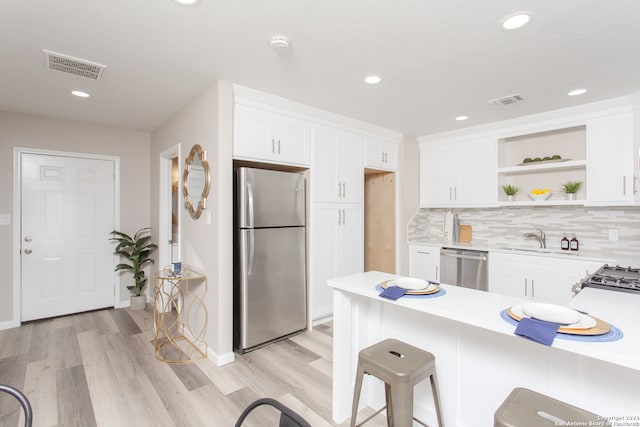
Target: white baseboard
pixel 222 359
pixel 9 324
pixel 322 319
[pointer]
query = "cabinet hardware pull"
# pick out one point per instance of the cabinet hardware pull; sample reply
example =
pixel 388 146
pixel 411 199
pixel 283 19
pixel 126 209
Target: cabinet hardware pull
pixel 425 253
pixel 339 191
pixel 344 189
pixel 339 216
pixel 525 287
pixel 437 273
pixel 278 146
pixel 273 145
pixel 450 193
pixel 455 193
pixel 382 157
pixel 533 288
pixel 624 186
pixel 635 189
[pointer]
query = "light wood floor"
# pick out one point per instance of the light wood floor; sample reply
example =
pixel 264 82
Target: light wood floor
pixel 98 369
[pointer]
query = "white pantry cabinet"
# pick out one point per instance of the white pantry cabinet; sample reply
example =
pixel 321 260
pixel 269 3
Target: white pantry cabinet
pixel 458 173
pixel 539 278
pixel 337 249
pixel 264 135
pixel 337 169
pixel 424 262
pixel 381 154
pixel 612 160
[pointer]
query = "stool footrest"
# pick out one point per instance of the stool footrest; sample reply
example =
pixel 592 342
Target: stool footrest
pixel 382 409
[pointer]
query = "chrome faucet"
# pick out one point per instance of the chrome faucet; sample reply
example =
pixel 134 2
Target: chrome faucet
pixel 541 238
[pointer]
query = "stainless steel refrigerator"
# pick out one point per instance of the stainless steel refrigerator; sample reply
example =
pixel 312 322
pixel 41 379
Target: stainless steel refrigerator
pixel 270 263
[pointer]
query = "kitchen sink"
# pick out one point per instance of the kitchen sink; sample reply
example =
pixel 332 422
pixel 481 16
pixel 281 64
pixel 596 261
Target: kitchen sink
pixel 539 251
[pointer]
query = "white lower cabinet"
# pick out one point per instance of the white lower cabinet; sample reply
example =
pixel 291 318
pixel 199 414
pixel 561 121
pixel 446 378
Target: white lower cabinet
pixel 424 262
pixel 337 249
pixel 543 279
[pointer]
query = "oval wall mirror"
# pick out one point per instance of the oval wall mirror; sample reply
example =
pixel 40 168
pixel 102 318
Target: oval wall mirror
pixel 196 181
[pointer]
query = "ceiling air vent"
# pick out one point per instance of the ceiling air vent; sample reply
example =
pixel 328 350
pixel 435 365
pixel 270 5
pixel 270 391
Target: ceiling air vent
pixel 68 64
pixel 506 100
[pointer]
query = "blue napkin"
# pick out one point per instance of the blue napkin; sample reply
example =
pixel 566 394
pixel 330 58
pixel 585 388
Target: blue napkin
pixel 537 330
pixel 393 292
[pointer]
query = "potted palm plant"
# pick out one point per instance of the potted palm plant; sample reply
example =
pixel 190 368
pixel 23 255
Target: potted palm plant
pixel 510 191
pixel 570 188
pixel 137 250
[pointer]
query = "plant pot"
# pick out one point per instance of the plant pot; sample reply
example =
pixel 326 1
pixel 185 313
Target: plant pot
pixel 511 198
pixel 138 303
pixel 571 196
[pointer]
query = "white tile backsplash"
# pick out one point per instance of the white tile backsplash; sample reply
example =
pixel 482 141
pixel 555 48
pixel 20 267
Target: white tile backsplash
pixel 506 226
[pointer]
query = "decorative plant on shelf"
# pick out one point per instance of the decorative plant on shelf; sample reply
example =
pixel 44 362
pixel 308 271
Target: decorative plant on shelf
pixel 510 190
pixel 571 187
pixel 137 250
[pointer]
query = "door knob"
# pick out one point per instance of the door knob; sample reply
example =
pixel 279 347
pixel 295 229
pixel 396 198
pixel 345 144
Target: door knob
pixel 27 251
pixel 28 239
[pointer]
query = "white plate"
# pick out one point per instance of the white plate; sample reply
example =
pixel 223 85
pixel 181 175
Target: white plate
pixel 585 322
pixel 411 283
pixel 551 313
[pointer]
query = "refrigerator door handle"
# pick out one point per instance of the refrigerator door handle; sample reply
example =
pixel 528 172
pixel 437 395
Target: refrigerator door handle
pixel 250 205
pixel 252 252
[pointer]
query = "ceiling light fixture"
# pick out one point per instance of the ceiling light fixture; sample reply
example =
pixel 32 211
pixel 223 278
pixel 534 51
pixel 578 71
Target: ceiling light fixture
pixel 515 21
pixel 187 2
pixel 462 118
pixel 372 80
pixel 577 92
pixel 279 42
pixel 80 94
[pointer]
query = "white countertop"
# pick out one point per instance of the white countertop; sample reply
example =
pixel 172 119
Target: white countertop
pixel 481 245
pixel 482 309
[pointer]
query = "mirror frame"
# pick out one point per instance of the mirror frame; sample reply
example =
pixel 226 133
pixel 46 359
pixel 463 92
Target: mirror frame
pixel 196 150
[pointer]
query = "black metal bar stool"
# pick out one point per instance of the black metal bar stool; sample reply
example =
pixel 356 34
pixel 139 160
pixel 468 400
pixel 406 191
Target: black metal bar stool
pixel 401 366
pixel 524 408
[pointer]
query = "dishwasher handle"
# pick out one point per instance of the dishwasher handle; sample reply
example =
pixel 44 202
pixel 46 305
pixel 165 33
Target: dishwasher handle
pixel 463 256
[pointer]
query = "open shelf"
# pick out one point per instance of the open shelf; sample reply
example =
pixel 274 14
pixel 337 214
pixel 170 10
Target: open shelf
pixel 568 165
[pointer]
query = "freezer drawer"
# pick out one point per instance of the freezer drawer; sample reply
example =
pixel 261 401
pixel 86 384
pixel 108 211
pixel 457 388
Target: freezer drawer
pixel 272 286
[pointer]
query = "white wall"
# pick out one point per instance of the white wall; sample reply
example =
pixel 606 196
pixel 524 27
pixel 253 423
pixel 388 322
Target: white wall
pixel 132 147
pixel 206 120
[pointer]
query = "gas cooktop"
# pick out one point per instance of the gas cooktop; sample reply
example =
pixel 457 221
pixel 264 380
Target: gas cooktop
pixel 625 279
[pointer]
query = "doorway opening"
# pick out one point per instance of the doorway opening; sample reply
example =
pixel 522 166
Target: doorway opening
pixel 169 203
pixel 380 221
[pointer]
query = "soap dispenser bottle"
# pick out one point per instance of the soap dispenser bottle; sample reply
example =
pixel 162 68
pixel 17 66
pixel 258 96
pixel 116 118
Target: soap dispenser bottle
pixel 564 243
pixel 573 244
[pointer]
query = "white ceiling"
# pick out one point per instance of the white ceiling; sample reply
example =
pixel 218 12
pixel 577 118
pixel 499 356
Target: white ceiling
pixel 439 58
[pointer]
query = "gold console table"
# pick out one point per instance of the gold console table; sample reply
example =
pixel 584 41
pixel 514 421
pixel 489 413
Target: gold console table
pixel 179 315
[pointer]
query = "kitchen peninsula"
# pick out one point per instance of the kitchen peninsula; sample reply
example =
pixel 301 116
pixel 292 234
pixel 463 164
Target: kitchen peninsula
pixel 479 360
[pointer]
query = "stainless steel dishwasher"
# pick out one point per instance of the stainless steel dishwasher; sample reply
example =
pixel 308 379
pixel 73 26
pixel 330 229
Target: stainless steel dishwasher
pixel 463 267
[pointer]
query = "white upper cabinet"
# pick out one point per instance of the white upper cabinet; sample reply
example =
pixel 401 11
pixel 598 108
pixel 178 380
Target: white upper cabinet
pixel 267 136
pixel 612 160
pixel 381 154
pixel 458 173
pixel 337 171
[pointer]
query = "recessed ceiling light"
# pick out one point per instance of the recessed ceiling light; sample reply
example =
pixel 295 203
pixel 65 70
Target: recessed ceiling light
pixel 279 42
pixel 372 80
pixel 515 21
pixel 461 118
pixel 80 94
pixel 186 2
pixel 577 92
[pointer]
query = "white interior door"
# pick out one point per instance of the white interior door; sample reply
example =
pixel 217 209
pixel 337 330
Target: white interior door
pixel 67 214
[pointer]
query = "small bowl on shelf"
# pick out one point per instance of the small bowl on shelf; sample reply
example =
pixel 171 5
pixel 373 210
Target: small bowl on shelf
pixel 539 195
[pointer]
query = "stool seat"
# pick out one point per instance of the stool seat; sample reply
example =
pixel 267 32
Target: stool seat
pixel 524 408
pixel 400 366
